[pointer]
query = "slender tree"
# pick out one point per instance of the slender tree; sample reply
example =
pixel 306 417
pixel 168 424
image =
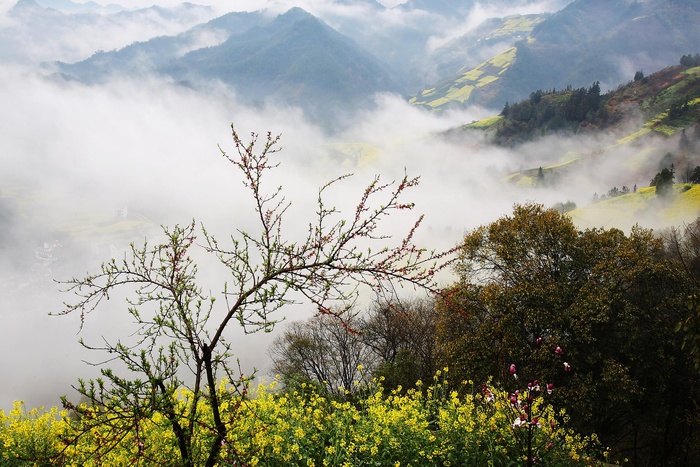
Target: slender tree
pixel 180 339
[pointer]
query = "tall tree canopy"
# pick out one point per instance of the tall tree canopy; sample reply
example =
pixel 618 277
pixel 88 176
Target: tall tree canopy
pixel 536 292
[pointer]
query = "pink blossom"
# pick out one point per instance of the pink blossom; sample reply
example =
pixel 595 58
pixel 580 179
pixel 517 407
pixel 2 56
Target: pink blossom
pixel 567 367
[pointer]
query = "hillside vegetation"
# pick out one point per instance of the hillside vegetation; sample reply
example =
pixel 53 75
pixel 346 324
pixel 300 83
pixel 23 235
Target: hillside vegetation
pixel 585 41
pixel 656 118
pixel 662 103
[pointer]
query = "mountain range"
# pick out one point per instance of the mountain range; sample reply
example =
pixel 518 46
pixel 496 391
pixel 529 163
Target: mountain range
pixel 439 54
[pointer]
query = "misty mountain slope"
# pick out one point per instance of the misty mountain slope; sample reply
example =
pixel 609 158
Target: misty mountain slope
pixel 370 3
pixel 450 94
pixel 495 35
pixel 480 44
pixel 295 59
pixel 662 103
pixel 628 210
pixel 625 136
pixel 149 56
pixel 586 41
pixel 294 56
pixel 32 34
pixel 90 6
pixel 462 7
pixel 443 7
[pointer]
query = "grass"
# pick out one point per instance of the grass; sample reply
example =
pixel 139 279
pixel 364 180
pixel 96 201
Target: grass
pixel 504 59
pixel 460 94
pixel 486 122
pixel 460 89
pixel 641 207
pixel 486 80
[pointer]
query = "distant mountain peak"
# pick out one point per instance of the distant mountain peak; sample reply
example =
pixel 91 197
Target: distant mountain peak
pixel 26 4
pixel 294 14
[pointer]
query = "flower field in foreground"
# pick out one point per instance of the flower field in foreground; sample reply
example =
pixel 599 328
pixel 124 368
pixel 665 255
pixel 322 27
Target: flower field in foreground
pixel 419 427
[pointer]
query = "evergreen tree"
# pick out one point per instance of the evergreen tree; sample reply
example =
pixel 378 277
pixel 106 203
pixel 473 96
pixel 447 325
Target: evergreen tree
pixel 663 181
pixel 695 175
pixel 506 110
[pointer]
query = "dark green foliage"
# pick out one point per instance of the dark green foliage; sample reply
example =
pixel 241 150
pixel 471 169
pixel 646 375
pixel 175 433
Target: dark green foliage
pixel 663 181
pixel 690 60
pixel 402 372
pixel 639 75
pixel 547 111
pixel 684 245
pixel 695 175
pixel 678 109
pixel 609 300
pixel 670 91
pixel 506 110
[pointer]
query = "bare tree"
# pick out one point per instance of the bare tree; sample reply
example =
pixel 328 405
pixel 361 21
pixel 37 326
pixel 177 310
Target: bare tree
pixel 401 335
pixel 323 350
pixel 180 339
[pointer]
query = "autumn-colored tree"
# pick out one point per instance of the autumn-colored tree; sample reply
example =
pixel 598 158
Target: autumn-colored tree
pixel 532 282
pixel 180 334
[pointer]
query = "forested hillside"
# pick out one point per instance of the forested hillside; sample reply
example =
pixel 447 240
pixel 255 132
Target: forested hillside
pixel 663 102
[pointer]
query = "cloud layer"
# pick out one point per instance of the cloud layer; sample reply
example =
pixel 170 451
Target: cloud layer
pixel 73 155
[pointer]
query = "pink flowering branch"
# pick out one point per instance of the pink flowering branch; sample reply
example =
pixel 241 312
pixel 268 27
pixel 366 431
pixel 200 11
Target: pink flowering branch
pixel 185 328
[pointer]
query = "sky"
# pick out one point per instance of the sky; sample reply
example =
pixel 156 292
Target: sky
pixel 75 155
